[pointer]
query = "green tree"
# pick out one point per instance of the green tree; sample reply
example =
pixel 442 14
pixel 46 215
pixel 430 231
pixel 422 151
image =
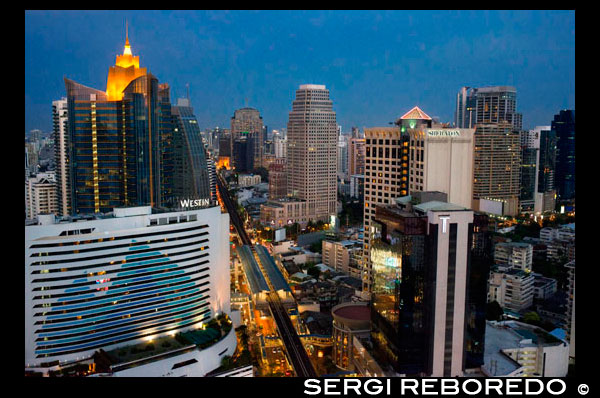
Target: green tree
pixel 494 311
pixel 314 272
pixel 532 318
pixel 226 362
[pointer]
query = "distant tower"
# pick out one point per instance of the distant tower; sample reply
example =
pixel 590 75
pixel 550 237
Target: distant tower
pixel 312 151
pixel 248 123
pixel 564 126
pixel 60 117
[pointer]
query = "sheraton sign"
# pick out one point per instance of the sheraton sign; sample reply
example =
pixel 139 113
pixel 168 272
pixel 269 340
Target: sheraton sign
pixel 443 133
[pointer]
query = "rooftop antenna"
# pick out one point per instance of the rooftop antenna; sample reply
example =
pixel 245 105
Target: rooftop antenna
pixel 187 85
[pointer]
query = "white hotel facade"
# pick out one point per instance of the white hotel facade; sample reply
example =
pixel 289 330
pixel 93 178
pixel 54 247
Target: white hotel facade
pixel 121 279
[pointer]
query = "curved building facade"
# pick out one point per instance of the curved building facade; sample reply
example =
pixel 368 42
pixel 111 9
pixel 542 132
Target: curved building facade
pixel 111 280
pixel 349 320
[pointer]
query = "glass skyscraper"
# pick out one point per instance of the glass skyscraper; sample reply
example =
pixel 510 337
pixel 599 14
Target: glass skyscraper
pixel 564 126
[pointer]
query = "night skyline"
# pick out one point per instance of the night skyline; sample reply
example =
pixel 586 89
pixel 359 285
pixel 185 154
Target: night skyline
pixel 377 65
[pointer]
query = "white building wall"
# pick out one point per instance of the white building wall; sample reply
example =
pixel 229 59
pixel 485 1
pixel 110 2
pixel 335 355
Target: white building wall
pixel 112 261
pixel 448 165
pixel 208 360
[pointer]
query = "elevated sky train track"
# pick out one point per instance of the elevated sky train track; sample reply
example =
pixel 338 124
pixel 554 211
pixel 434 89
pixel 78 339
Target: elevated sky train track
pixel 292 343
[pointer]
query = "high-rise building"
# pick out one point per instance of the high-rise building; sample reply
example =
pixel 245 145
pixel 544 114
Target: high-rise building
pixel 41 197
pixel 191 175
pixel 248 122
pixel 60 117
pixel 115 139
pixel 225 150
pixel 277 179
pixel 386 178
pixel 466 104
pixel 546 188
pixel 342 157
pixel 356 156
pixel 485 105
pixel 212 178
pixel 441 159
pixel 243 159
pixel 530 158
pixel 496 168
pixel 564 126
pixel 570 315
pixel 421 260
pixel 312 151
pixel 280 147
pixel 107 281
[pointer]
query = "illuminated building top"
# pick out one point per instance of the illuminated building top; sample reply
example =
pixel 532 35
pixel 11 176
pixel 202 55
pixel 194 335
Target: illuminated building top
pixel 416 113
pixel 126 69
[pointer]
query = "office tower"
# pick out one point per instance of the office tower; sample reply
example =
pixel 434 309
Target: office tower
pixel 386 178
pixel 212 178
pixel 441 159
pixel 342 157
pixel 356 133
pixel 498 104
pixel 115 139
pixel 32 157
pixel 546 187
pixel 496 169
pixel 312 151
pixel 477 291
pixel 225 150
pixel 277 179
pixel 105 281
pixel 191 179
pixel 248 122
pixel 530 158
pixel 466 104
pixel 421 260
pixel 280 146
pixel 41 195
pixel 356 156
pixel 35 135
pixel 485 105
pixel 60 117
pixel 357 186
pixel 564 126
pixel 243 159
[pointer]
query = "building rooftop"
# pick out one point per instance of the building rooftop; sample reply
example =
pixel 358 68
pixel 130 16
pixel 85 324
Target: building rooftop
pixel 356 312
pixel 416 113
pixel 439 206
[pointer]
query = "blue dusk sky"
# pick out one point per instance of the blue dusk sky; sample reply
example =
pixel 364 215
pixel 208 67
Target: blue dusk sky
pixel 376 64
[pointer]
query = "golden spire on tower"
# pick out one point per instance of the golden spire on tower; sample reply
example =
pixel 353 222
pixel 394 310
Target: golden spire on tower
pixel 126 69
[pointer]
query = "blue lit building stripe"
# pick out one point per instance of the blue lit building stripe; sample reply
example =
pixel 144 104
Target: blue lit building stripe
pixel 142 255
pixel 140 271
pixel 117 314
pixel 128 297
pixel 158 260
pixel 119 306
pixel 77 289
pixel 141 317
pixel 108 341
pixel 116 283
pixel 105 332
pixel 139 247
